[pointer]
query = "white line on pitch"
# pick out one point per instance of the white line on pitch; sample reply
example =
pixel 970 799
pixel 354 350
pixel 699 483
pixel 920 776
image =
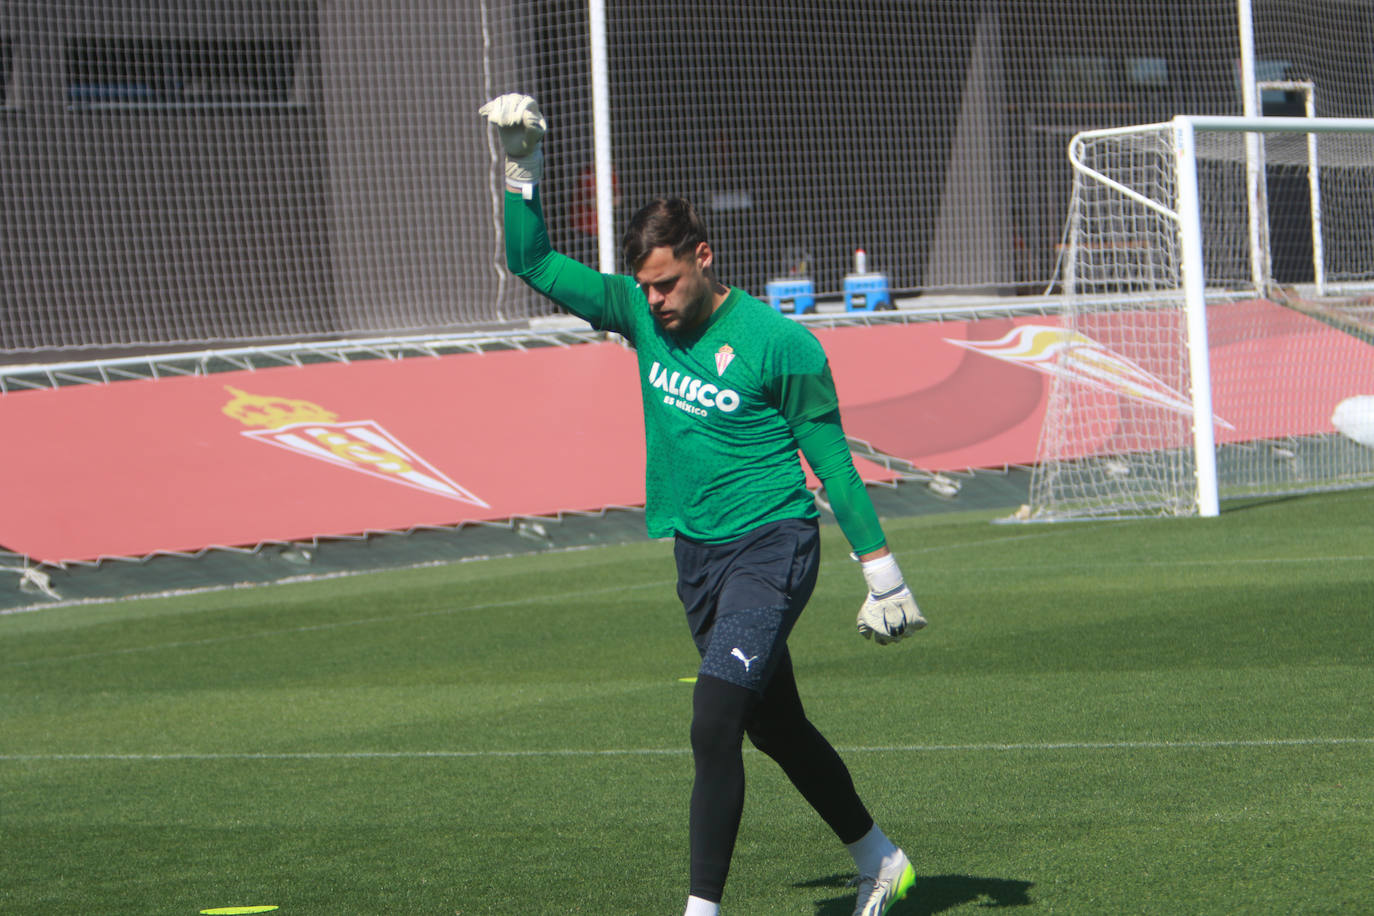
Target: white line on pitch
pixel 682 751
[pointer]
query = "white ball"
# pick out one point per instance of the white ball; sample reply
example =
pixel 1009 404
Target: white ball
pixel 1354 417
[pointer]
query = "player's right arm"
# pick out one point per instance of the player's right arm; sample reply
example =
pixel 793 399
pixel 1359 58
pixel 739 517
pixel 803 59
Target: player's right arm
pixel 581 290
pixel 570 283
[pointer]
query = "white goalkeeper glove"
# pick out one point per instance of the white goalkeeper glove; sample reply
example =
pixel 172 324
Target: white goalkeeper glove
pixel 521 127
pixel 889 612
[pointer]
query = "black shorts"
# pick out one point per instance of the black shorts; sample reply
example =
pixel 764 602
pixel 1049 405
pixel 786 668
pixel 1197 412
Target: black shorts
pixel 743 597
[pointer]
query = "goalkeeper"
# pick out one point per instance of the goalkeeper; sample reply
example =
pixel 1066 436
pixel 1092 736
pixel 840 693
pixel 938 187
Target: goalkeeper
pixel 731 389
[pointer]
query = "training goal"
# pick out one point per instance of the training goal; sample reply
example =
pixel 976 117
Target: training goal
pixel 1217 340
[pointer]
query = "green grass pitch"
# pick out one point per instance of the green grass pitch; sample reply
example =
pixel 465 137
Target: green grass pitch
pixel 1126 717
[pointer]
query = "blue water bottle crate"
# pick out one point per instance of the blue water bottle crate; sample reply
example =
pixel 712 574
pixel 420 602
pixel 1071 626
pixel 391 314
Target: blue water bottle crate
pixel 866 292
pixel 792 294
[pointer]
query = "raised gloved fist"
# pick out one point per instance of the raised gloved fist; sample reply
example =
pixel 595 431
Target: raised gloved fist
pixel 521 127
pixel 887 619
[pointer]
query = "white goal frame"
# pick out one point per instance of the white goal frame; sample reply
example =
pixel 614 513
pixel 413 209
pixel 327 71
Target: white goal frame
pixel 1186 215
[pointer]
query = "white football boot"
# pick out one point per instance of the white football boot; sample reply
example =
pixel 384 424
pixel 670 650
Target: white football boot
pixel 877 893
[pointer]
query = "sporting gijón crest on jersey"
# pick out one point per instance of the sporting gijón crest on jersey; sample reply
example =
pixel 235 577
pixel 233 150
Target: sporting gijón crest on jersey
pixel 719 404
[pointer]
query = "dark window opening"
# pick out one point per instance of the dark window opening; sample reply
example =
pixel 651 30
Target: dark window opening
pixel 132 72
pixel 1101 80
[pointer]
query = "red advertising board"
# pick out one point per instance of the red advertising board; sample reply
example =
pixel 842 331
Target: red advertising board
pixel 955 395
pixel 241 458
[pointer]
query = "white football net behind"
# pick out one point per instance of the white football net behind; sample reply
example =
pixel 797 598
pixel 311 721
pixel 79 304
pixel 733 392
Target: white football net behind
pixel 1120 438
pixel 204 173
pixel 200 173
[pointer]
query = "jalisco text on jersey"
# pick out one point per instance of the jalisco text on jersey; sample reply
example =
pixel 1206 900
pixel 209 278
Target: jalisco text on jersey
pixel 682 385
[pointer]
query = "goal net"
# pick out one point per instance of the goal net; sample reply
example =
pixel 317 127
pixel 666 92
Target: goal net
pixel 1212 345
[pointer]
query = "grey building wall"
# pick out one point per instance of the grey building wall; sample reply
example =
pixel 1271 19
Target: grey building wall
pixel 161 214
pixel 141 206
pixel 412 238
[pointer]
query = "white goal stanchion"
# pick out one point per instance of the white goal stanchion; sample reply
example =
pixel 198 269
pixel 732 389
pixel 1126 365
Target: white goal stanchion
pixel 1161 245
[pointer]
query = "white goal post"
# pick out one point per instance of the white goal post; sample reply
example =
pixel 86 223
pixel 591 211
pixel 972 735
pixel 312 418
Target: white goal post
pixel 1188 225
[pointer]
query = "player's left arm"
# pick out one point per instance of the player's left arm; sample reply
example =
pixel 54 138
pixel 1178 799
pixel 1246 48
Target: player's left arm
pixel 823 443
pixel 808 401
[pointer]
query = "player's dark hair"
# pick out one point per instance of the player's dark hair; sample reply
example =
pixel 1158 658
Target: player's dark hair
pixel 664 221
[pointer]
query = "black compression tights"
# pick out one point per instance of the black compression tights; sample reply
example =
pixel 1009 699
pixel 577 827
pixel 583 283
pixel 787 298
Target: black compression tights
pixel 777 725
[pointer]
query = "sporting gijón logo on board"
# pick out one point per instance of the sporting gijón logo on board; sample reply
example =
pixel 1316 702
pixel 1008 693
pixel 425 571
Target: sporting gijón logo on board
pixel 360 445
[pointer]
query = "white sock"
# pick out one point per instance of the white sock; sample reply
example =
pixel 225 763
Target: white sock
pixel 873 852
pixel 696 906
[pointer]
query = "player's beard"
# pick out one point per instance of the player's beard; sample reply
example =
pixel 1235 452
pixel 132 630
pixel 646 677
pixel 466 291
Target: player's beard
pixel 696 307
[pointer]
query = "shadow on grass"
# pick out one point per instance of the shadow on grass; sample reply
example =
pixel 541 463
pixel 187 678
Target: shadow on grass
pixel 932 894
pixel 1249 503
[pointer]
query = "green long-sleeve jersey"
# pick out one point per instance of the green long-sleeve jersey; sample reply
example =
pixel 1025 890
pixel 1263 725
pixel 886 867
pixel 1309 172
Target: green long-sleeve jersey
pixel 726 405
